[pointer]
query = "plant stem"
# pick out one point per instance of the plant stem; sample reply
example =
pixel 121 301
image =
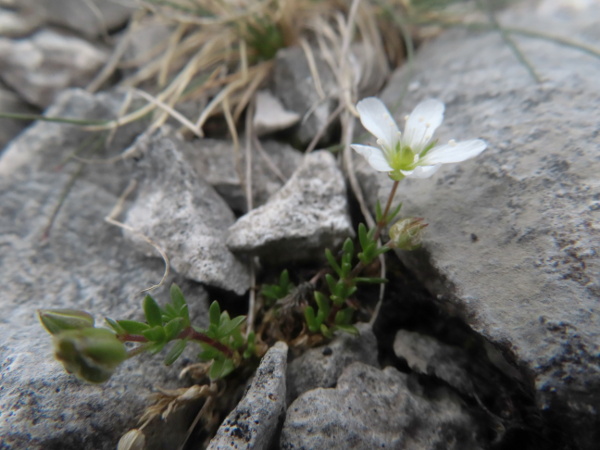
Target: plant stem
pixel 382 223
pixel 197 336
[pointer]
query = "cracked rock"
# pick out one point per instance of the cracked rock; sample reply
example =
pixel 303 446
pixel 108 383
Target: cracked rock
pixel 255 420
pixel 218 162
pixel 322 366
pixel 183 214
pixel 42 65
pixel 512 242
pixel 371 408
pixel 308 214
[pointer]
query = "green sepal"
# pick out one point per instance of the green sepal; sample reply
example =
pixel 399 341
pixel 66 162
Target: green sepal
pixel 152 311
pixel 132 326
pixel 57 320
pixel 175 351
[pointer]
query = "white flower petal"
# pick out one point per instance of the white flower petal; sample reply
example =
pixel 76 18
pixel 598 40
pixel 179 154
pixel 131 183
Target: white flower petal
pixel 421 171
pixel 454 152
pixel 374 156
pixel 376 118
pixel 422 123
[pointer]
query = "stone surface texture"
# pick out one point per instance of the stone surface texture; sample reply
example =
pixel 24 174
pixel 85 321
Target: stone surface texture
pixel 512 245
pixel 47 62
pixel 183 214
pixel 224 168
pixel 371 408
pixel 308 214
pixel 10 102
pixel 90 18
pixel 74 260
pixel 255 420
pixel 299 91
pixel 270 115
pixel 321 367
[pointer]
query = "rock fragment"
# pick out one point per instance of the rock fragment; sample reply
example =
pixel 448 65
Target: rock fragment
pixel 308 214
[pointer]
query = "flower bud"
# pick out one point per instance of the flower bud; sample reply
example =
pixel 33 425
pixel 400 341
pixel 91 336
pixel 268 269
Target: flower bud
pixel 57 320
pixel 91 354
pixel 406 234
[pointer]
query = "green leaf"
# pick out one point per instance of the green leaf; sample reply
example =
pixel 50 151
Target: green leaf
pixel 155 334
pixel 209 353
pixel 370 280
pixel 155 348
pixel 228 326
pixel 325 331
pixel 348 248
pixel 132 326
pixel 214 313
pixel 175 351
pixel 394 213
pixel 344 316
pixel 177 297
pixel 311 321
pixel 348 329
pixel 152 311
pixel 221 368
pixel 332 262
pixel 173 328
pixel 363 237
pixel 115 325
pixel 250 345
pixel 331 283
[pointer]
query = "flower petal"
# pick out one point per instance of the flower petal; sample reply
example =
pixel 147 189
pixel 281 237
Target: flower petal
pixel 454 152
pixel 374 156
pixel 421 171
pixel 376 118
pixel 422 123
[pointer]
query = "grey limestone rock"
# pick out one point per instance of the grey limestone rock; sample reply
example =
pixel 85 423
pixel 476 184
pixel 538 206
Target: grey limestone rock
pixel 219 164
pixel 296 87
pixel 39 67
pixel 81 263
pixel 512 245
pixel 308 214
pixel 321 367
pixel 12 103
pixel 254 421
pixel 370 408
pixel 270 115
pixel 49 147
pixel 90 18
pixel 183 214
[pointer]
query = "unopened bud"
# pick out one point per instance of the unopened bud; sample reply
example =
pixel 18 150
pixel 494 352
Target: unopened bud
pixel 57 320
pixel 407 234
pixel 91 354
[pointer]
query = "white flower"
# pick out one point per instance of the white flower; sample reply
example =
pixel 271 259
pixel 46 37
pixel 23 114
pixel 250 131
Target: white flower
pixel 412 154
